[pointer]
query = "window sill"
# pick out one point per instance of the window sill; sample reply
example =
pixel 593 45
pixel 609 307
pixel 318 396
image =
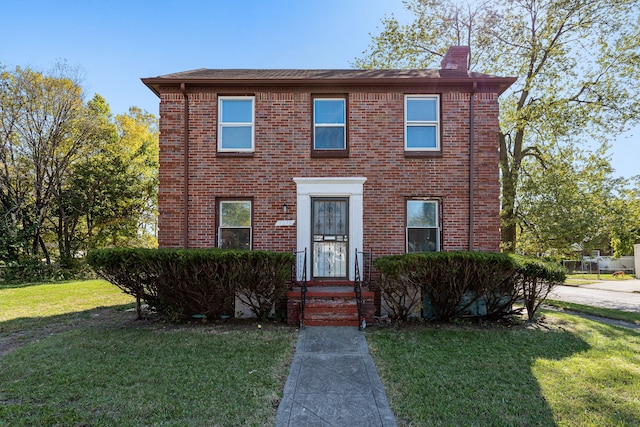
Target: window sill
pixel 234 154
pixel 329 153
pixel 429 154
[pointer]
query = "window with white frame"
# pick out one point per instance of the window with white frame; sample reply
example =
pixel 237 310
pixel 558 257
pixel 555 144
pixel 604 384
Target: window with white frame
pixel 234 224
pixel 236 123
pixel 423 232
pixel 329 124
pixel 422 122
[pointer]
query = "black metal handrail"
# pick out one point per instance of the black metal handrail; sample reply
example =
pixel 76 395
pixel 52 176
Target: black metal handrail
pixel 299 275
pixel 361 279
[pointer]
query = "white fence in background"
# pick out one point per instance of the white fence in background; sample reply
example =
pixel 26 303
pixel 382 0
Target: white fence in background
pixel 606 264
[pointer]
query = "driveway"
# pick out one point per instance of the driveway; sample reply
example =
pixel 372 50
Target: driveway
pixel 617 295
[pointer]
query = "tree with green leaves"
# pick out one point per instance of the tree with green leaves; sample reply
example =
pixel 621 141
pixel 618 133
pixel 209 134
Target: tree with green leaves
pixel 110 198
pixel 72 177
pixel 624 224
pixel 576 63
pixel 44 125
pixel 565 201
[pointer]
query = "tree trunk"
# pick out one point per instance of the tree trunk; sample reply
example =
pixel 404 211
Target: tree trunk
pixel 507 211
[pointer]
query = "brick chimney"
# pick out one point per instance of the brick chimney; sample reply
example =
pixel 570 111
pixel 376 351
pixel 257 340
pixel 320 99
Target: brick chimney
pixel 456 59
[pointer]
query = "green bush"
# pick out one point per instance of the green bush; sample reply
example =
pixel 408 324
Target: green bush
pixel 180 283
pixel 33 269
pixel 535 279
pixel 258 272
pixel 400 284
pixel 456 282
pixel 128 270
pixel 453 282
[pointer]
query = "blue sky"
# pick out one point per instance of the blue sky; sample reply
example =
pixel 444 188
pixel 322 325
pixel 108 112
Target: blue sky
pixel 116 42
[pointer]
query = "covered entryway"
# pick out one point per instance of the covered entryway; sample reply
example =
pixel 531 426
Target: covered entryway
pixel 329 230
pixel 330 224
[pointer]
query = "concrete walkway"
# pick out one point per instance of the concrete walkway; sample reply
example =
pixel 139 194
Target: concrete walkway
pixel 333 382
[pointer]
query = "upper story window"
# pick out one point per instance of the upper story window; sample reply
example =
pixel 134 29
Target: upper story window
pixel 236 123
pixel 234 224
pixel 422 123
pixel 329 124
pixel 423 232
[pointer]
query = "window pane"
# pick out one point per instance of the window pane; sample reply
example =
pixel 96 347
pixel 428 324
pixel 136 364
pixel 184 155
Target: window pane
pixel 236 110
pixel 329 111
pixel 235 238
pixel 422 240
pixel 421 110
pixel 421 214
pixel 235 214
pixel 421 137
pixel 236 137
pixel 329 138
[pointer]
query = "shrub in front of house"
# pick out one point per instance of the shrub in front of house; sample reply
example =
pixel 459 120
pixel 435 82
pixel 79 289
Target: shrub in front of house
pixel 450 284
pixel 263 279
pixel 126 268
pixel 181 283
pixel 535 279
pixel 447 285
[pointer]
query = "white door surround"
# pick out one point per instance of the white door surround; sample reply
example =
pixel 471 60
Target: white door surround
pixel 351 187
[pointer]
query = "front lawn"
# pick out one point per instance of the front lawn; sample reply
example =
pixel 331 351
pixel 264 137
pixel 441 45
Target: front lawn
pixel 84 360
pixel 568 372
pixel 82 365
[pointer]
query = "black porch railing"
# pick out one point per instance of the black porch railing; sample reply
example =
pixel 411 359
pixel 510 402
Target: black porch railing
pixel 362 278
pixel 299 276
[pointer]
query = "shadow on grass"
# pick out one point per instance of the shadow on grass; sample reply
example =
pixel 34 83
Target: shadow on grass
pixel 19 285
pixel 21 330
pixel 447 376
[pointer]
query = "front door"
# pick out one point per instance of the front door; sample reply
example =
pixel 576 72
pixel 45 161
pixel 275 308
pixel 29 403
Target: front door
pixel 330 237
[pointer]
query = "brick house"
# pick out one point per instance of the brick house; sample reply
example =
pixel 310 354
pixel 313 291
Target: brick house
pixel 333 161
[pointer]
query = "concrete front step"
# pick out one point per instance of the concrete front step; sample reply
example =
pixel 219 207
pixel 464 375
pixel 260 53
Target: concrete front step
pixel 330 322
pixel 323 308
pixel 329 283
pixel 328 306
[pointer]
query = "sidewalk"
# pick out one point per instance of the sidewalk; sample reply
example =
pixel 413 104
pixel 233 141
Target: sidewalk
pixel 616 295
pixel 616 285
pixel 333 382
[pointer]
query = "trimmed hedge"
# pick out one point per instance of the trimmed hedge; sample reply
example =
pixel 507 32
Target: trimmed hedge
pixel 180 283
pixel 454 282
pixel 535 280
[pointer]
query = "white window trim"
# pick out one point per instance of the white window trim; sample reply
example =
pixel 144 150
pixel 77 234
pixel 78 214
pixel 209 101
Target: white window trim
pixel 437 226
pixel 331 125
pixel 425 123
pixel 250 227
pixel 237 124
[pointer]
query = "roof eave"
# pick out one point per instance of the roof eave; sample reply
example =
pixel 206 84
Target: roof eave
pixel 483 83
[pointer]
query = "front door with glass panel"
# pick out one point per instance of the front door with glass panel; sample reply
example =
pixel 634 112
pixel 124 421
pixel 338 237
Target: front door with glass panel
pixel 330 237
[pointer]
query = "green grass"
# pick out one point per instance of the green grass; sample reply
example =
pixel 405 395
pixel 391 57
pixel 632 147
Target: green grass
pixel 573 372
pixel 88 362
pixel 625 316
pixel 590 276
pixel 81 365
pixel 587 278
pixel 43 300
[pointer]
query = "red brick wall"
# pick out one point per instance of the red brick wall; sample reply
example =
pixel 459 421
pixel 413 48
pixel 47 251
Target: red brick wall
pixel 376 151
